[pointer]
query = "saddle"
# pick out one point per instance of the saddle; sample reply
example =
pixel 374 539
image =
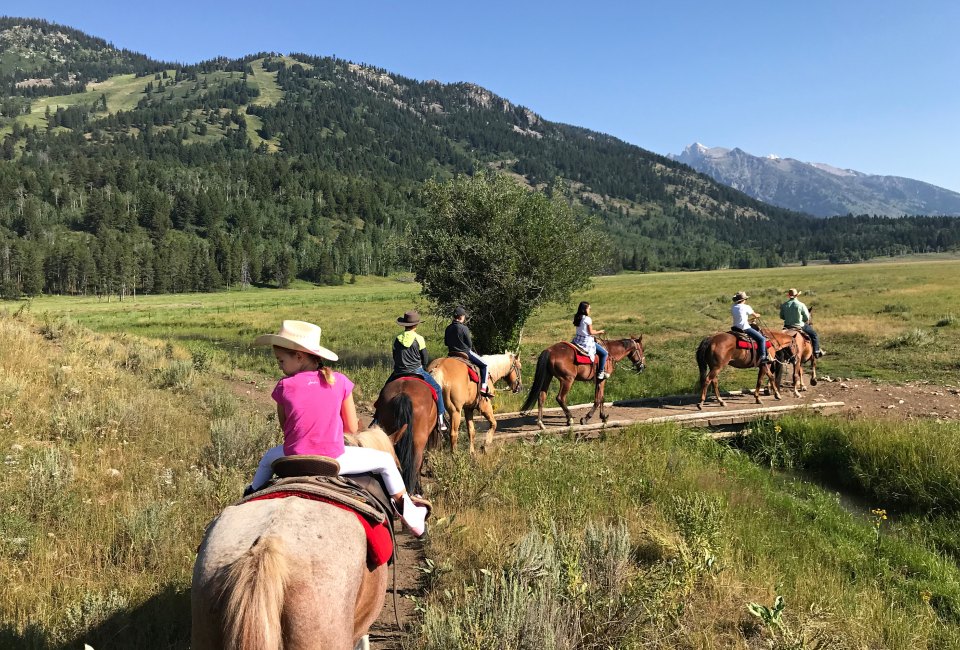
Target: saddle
pixel 581 358
pixel 798 330
pixel 472 371
pixel 309 477
pixel 745 342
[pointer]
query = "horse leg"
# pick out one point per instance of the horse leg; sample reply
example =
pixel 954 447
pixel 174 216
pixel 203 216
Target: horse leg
pixel 714 378
pixel 813 370
pixel 756 391
pixel 565 385
pixel 541 398
pixel 471 430
pixel 486 408
pixel 772 382
pixel 454 427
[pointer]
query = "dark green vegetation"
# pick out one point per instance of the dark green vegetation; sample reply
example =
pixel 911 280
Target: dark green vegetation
pixel 502 252
pixel 122 174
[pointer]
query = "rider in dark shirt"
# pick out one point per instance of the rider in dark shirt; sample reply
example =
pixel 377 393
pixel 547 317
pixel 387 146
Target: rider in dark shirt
pixel 410 357
pixel 459 342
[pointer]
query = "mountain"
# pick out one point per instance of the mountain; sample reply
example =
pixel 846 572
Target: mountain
pixel 119 173
pixel 817 188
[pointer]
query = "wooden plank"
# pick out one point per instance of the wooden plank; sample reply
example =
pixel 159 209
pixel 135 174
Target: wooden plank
pixel 698 419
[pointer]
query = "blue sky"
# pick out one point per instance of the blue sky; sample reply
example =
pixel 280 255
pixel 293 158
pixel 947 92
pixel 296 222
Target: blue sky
pixel 867 84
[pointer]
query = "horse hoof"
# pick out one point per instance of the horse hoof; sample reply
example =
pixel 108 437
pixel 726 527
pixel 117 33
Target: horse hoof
pixel 604 418
pixel 700 406
pixel 541 425
pixel 813 382
pixel 777 397
pixel 722 403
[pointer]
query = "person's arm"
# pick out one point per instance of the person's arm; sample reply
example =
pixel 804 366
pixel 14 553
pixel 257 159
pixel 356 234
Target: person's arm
pixel 424 357
pixel 593 332
pixel 805 313
pixel 348 413
pixel 281 416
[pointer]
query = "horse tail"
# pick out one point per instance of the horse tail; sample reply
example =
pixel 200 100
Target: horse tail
pixel 402 408
pixel 253 593
pixel 702 360
pixel 541 380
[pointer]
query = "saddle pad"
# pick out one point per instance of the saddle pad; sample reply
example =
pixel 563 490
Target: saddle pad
pixel 305 465
pixel 471 370
pixel 579 356
pixel 379 542
pixel 750 345
pixel 797 330
pixel 422 381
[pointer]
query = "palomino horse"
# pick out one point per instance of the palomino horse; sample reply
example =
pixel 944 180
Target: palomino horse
pixel 716 352
pixel 407 413
pixel 285 573
pixel 459 392
pixel 559 361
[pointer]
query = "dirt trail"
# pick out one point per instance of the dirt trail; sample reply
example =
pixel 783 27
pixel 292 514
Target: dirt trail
pixel 384 634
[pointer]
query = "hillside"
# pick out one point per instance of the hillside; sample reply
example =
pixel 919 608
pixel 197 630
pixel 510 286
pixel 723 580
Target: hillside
pixel 125 174
pixel 816 188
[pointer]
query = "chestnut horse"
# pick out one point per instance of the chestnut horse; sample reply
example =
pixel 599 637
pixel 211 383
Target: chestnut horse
pixel 804 354
pixel 285 573
pixel 459 392
pixel 559 361
pixel 407 413
pixel 720 350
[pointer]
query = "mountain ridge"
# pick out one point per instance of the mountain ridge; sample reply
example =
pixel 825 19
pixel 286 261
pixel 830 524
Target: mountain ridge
pixel 819 189
pixel 154 177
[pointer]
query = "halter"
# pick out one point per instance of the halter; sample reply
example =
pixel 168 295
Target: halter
pixel 634 347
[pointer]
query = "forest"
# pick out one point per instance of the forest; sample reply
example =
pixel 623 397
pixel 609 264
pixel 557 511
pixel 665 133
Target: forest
pixel 203 182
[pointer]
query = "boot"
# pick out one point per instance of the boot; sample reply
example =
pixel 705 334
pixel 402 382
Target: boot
pixel 414 516
pixel 442 421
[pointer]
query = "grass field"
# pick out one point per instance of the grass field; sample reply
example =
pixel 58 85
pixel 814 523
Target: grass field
pixel 127 426
pixel 888 321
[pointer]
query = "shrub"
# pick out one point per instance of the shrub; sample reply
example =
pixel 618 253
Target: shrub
pixel 238 443
pixel 915 338
pixel 177 375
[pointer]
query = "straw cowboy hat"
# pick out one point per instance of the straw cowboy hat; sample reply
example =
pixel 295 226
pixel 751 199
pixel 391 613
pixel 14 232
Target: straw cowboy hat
pixel 792 292
pixel 298 335
pixel 409 318
pixel 740 296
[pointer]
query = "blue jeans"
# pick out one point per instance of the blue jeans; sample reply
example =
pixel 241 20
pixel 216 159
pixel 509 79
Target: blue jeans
pixel 755 334
pixel 814 339
pixel 427 377
pixel 480 365
pixel 601 358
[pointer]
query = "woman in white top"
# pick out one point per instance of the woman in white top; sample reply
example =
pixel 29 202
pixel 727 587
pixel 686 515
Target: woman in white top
pixel 585 337
pixel 742 313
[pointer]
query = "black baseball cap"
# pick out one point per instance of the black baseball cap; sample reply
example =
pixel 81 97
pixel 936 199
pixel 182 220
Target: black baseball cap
pixel 459 311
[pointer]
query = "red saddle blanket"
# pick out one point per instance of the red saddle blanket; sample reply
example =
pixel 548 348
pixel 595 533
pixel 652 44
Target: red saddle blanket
pixel 578 355
pixel 422 381
pixel 750 345
pixel 379 543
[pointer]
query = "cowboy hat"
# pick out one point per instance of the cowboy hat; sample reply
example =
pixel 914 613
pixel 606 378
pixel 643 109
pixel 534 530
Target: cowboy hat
pixel 792 292
pixel 298 335
pixel 740 295
pixel 409 318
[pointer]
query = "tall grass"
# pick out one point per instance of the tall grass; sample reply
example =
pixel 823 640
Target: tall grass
pixel 109 479
pixel 709 533
pixel 904 465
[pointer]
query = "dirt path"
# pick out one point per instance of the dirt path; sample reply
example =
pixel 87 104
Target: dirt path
pixel 384 634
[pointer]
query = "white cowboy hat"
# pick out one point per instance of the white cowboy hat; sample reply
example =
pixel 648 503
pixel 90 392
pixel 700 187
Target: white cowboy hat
pixel 793 292
pixel 298 335
pixel 740 295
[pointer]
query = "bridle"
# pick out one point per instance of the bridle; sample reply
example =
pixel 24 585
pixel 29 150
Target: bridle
pixel 638 364
pixel 515 366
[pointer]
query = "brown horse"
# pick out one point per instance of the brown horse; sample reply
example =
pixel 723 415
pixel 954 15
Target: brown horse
pixel 407 413
pixel 559 361
pixel 459 392
pixel 286 573
pixel 804 354
pixel 720 350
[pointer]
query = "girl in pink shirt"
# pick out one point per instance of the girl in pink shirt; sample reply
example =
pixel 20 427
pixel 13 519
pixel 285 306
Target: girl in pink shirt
pixel 315 406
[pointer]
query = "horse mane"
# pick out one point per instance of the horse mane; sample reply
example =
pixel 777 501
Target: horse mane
pixel 498 365
pixel 254 588
pixel 373 438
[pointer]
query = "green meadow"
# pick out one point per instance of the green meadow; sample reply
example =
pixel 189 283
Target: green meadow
pixel 126 426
